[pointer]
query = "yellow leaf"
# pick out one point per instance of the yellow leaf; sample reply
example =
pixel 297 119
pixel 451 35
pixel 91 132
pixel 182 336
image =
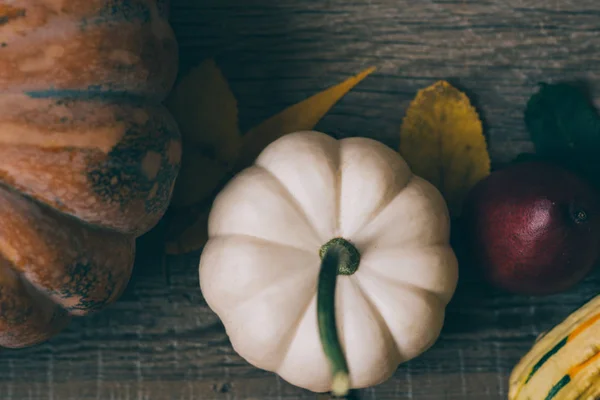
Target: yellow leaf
pixel 205 169
pixel 442 140
pixel 301 116
pixel 206 112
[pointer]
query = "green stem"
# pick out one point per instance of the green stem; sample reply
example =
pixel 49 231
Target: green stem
pixel 338 256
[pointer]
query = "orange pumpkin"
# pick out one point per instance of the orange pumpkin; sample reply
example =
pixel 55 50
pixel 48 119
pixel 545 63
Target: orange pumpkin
pixel 88 155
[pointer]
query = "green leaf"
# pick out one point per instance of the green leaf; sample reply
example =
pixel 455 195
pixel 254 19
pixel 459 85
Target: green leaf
pixel 565 127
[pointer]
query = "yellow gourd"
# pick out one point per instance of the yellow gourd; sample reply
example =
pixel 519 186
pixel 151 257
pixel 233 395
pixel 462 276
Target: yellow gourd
pixel 563 364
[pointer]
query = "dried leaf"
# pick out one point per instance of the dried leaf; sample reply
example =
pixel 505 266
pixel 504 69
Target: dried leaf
pixel 199 177
pixel 193 237
pixel 201 174
pixel 301 116
pixel 442 140
pixel 206 111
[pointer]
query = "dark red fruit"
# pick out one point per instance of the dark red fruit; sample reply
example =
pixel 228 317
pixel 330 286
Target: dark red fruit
pixel 533 228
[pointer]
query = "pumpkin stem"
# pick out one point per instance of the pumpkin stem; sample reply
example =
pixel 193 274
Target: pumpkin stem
pixel 350 265
pixel 338 257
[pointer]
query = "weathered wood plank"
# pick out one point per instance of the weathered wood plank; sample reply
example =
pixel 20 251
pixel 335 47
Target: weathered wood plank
pixel 160 341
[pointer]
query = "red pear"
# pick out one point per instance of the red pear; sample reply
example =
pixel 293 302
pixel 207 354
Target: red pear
pixel 533 228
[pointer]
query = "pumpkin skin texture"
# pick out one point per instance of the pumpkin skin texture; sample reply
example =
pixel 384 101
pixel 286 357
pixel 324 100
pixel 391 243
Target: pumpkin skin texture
pixel 88 154
pixel 260 268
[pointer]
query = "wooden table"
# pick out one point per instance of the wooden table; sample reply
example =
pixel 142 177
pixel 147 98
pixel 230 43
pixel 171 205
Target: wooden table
pixel 161 342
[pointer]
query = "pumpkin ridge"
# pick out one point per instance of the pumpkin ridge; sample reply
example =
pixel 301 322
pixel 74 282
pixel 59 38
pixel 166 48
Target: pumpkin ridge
pixel 384 205
pixel 112 187
pixel 26 321
pixel 69 264
pixel 371 273
pixel 289 197
pixel 418 292
pixel 377 314
pixel 5 185
pixel 265 241
pixel 263 290
pixel 382 158
pixel 67 215
pixel 285 341
pixel 292 333
pixel 21 322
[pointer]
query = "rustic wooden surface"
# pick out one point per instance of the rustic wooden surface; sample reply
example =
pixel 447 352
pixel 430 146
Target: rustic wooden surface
pixel 160 342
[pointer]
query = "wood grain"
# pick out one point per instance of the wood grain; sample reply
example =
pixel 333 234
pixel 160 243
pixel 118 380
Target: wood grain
pixel 161 342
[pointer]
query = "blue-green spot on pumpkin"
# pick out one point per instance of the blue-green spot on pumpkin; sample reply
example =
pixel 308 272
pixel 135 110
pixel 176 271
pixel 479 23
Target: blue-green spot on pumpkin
pixel 8 13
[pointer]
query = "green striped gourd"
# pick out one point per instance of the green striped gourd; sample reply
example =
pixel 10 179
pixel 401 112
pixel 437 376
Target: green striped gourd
pixel 564 364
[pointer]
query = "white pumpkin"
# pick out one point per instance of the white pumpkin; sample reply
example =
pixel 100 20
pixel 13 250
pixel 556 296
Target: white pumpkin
pixel 261 268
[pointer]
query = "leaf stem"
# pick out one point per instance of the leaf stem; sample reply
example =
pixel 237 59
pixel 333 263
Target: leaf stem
pixel 337 255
